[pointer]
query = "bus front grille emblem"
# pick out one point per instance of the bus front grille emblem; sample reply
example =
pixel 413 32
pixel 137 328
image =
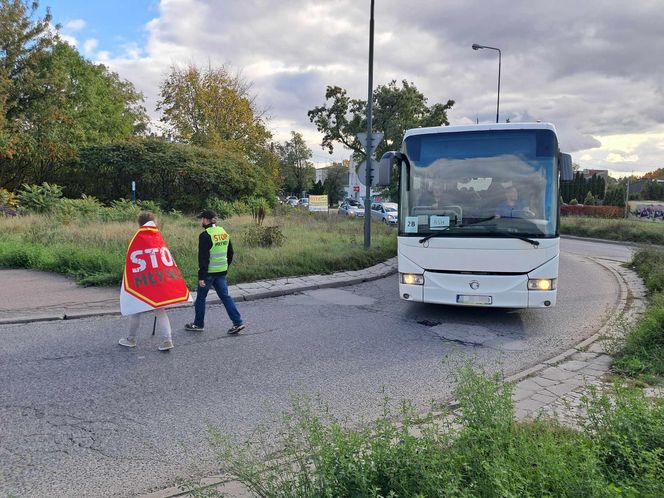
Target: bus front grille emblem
pixel 474 285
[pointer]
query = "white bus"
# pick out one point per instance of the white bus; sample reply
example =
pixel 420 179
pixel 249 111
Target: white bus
pixel 479 214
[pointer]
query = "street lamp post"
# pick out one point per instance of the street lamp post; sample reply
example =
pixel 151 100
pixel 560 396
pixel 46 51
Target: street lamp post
pixel 477 47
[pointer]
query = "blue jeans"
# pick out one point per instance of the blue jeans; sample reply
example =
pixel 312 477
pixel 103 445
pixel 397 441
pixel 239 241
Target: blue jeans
pixel 220 285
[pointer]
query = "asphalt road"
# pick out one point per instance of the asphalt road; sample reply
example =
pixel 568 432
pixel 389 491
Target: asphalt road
pixel 80 416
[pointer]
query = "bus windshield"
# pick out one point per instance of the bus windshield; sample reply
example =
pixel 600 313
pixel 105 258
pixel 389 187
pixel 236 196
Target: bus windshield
pixel 480 183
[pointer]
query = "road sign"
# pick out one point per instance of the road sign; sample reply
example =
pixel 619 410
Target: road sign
pixel 356 188
pixel 376 137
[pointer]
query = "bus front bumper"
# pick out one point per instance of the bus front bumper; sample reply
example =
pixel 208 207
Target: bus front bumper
pixel 498 291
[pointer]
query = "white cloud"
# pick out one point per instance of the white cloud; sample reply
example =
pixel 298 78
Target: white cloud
pixel 614 157
pixel 75 25
pixel 89 46
pixel 69 39
pixel 580 65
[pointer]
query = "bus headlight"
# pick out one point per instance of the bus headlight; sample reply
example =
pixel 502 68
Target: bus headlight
pixel 412 278
pixel 541 284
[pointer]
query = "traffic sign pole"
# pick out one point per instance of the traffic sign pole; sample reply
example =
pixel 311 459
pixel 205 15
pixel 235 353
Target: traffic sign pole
pixel 369 148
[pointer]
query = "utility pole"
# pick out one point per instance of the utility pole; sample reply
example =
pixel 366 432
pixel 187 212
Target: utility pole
pixel 370 145
pixel 627 199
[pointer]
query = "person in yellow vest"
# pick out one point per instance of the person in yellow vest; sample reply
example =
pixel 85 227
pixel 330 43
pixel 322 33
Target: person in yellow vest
pixel 215 254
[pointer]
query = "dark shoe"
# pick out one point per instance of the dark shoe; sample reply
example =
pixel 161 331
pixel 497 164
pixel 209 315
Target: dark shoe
pixel 194 327
pixel 236 328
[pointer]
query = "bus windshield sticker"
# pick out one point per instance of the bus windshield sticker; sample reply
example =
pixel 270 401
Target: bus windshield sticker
pixel 411 224
pixel 439 222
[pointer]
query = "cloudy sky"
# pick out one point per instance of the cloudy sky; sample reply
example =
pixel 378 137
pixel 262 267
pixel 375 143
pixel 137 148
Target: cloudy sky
pixel 593 67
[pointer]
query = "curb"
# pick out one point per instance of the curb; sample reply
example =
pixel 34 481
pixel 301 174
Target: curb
pixel 310 282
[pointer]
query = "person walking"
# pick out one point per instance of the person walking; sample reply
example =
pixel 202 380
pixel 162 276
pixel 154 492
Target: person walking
pixel 151 281
pixel 215 254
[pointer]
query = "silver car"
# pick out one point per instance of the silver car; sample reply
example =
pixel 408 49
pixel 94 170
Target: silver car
pixel 351 208
pixel 387 212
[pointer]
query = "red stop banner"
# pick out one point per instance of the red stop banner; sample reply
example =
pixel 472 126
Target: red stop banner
pixel 151 274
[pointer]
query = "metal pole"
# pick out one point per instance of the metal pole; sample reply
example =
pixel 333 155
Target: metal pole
pixel 627 200
pixel 476 46
pixel 500 62
pixel 369 149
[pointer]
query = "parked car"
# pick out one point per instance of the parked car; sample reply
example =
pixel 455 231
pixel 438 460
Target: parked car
pixel 303 203
pixel 291 200
pixel 351 208
pixel 387 212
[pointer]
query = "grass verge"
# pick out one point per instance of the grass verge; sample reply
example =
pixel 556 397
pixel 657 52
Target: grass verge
pixel 93 252
pixel 485 453
pixel 630 230
pixel 642 354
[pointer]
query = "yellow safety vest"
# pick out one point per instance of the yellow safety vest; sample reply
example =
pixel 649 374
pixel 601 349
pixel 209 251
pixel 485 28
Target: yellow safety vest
pixel 219 251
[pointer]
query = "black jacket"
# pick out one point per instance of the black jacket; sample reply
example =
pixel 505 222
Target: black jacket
pixel 204 246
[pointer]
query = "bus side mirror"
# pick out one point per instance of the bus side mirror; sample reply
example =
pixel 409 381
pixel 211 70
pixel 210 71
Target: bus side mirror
pixel 385 165
pixel 382 170
pixel 565 167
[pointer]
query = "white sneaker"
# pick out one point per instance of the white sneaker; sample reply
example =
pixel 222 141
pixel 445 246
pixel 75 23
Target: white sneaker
pixel 128 342
pixel 166 345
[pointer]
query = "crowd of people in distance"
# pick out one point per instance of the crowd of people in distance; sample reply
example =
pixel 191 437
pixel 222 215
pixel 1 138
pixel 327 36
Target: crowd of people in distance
pixel 650 212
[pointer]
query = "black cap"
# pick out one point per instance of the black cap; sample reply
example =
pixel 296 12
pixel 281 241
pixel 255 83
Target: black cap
pixel 207 213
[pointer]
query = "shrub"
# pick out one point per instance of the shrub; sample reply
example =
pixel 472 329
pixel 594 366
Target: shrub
pixel 8 198
pixel 628 433
pixel 240 207
pixel 224 209
pixel 180 176
pixel 8 203
pixel 572 209
pixel 121 210
pixel 262 236
pixel 258 207
pixel 590 199
pixel 85 207
pixel 39 198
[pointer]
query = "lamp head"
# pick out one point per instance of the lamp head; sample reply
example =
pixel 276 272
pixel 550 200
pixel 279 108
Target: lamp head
pixel 476 46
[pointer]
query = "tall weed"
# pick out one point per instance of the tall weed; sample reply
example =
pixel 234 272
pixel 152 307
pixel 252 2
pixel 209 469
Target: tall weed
pixel 483 453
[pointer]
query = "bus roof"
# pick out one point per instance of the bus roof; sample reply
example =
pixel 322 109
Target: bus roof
pixel 479 127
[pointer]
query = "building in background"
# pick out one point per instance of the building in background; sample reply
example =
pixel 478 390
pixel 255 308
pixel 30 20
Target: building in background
pixel 321 174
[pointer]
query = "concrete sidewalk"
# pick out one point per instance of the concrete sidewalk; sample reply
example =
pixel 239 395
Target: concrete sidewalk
pixel 29 296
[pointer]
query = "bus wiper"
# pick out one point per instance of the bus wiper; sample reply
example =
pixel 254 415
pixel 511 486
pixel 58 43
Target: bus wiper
pixel 520 237
pixel 436 234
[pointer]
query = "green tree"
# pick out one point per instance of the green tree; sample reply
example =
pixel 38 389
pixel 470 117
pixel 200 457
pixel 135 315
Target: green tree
pixel 24 42
pixel 653 191
pixel 337 179
pixel 212 108
pixel 615 195
pixel 297 172
pixel 52 100
pixel 395 109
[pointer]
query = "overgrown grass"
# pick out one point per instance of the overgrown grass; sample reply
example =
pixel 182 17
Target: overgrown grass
pixel 630 230
pixel 642 354
pixel 93 251
pixel 485 453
